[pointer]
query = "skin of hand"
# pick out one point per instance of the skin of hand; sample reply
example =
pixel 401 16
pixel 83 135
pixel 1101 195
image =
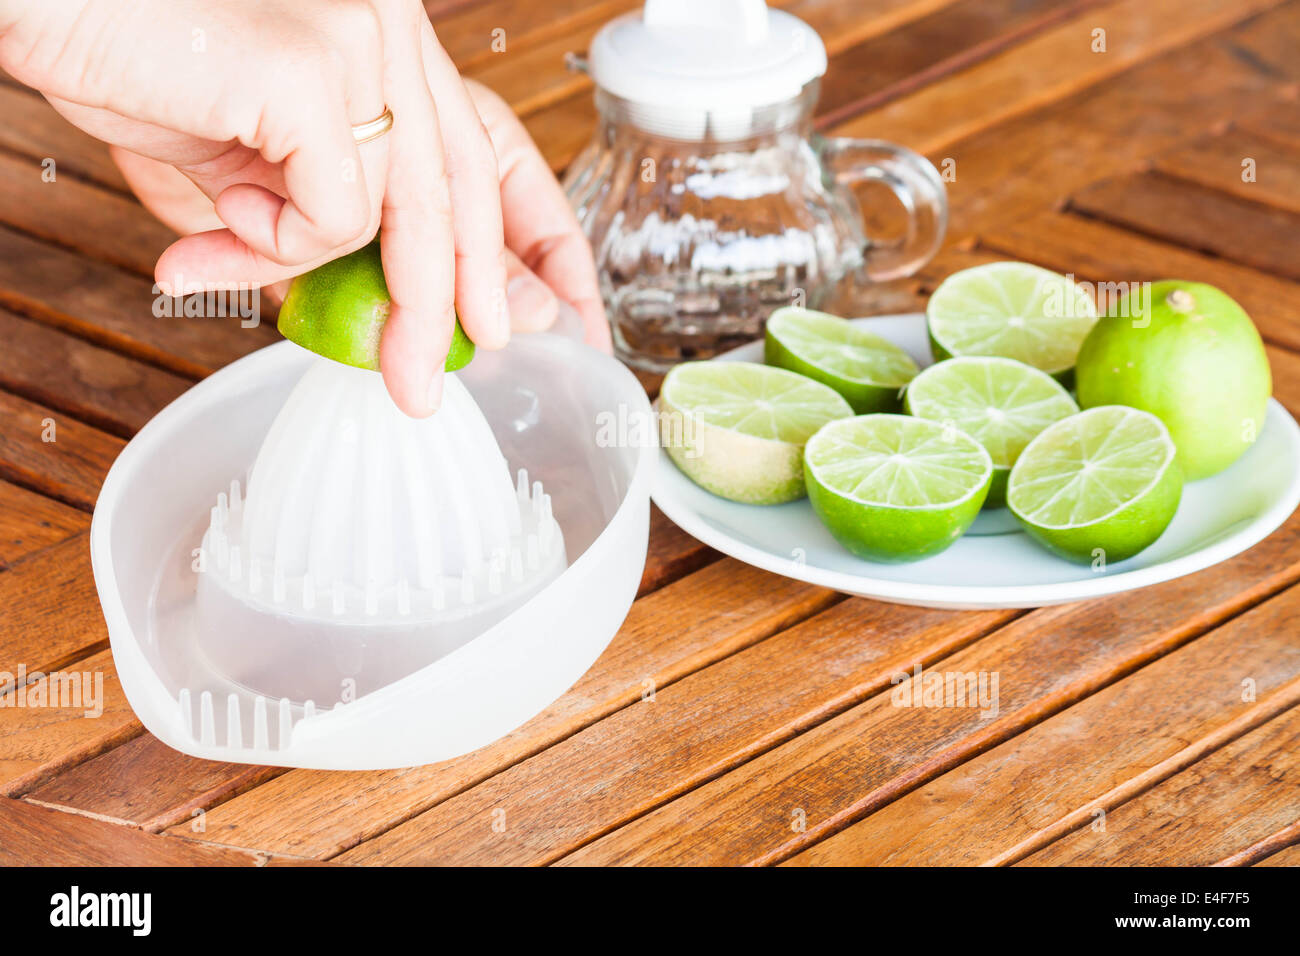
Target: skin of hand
pixel 231 119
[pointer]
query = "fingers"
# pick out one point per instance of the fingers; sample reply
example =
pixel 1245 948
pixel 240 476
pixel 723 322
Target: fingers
pixel 539 224
pixel 474 188
pixel 296 190
pixel 327 205
pixel 416 237
pixel 533 306
pixel 166 192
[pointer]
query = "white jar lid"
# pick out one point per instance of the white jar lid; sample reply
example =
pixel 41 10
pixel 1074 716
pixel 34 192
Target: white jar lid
pixel 696 63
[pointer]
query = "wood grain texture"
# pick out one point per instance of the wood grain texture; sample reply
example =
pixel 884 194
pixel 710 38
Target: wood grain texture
pixel 33 129
pixel 1287 857
pixel 1029 165
pixel 1234 797
pixel 35 836
pixel 1269 846
pixel 53 453
pixel 113 392
pixel 1248 164
pixel 468 34
pixel 49 612
pixel 885 67
pixel 113 308
pixel 1099 252
pixel 673 632
pixel 30 522
pixel 691 732
pixel 1047 68
pixel 671 554
pixel 85 217
pixel 842 770
pixel 1018 792
pixel 147 784
pixel 1198 217
pixel 37 742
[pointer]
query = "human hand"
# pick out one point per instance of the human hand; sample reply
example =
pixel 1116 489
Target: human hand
pixel 232 120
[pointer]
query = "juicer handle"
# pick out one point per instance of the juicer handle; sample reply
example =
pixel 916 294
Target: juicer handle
pixel 915 182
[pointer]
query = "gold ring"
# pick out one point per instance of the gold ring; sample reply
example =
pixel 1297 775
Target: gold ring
pixel 373 129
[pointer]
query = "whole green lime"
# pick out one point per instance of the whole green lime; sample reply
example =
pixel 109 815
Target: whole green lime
pixel 1188 354
pixel 338 310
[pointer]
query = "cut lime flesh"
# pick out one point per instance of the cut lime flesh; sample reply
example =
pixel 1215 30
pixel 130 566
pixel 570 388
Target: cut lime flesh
pixel 893 487
pixel 738 429
pixel 999 402
pixel 1013 310
pixel 866 369
pixel 1102 484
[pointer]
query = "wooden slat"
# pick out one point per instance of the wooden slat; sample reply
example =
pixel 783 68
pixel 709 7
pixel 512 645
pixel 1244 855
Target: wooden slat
pixel 114 308
pixel 731 606
pixel 1234 797
pixel 1216 162
pixel 38 742
pixel 563 129
pixel 842 770
pixel 1027 165
pixel 33 129
pixel 1192 215
pixel 467 35
pixel 1048 68
pixel 1285 366
pixel 887 66
pixel 844 25
pixel 49 612
pixel 693 731
pixel 30 522
pixel 145 783
pixel 99 222
pixel 672 554
pixel 52 368
pixel 1096 752
pixel 34 836
pixel 1098 252
pixel 1270 123
pixel 71 467
pixel 1288 857
pixel 1264 848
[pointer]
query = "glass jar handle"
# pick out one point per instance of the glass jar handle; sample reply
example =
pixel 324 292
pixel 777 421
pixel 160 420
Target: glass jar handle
pixel 915 182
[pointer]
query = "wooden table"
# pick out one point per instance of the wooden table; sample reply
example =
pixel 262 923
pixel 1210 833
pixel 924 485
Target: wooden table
pixel 737 717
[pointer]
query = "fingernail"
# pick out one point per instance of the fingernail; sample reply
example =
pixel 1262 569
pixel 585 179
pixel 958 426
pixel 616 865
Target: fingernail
pixel 435 391
pixel 527 296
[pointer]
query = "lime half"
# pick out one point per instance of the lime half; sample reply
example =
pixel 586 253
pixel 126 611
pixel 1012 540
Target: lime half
pixel 866 369
pixel 895 488
pixel 738 429
pixel 338 310
pixel 1014 310
pixel 999 402
pixel 1099 486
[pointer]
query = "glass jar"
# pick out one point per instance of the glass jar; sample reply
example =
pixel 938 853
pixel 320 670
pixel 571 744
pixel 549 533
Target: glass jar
pixel 703 222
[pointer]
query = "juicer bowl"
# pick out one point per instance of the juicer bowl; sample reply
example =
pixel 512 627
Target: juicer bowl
pixel 576 419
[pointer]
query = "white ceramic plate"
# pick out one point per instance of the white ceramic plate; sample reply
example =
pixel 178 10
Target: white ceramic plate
pixel 995 564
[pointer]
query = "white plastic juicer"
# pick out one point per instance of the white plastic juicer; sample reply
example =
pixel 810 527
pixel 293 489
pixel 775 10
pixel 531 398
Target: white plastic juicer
pixel 295 573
